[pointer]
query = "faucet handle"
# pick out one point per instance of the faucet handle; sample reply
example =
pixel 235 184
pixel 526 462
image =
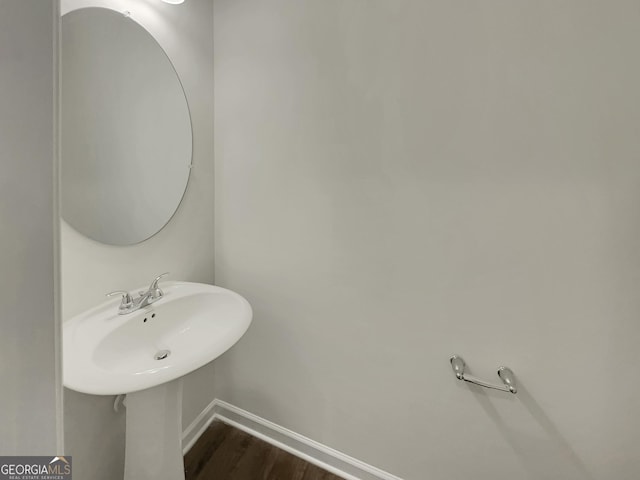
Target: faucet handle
pixel 127 301
pixel 154 284
pixel 154 290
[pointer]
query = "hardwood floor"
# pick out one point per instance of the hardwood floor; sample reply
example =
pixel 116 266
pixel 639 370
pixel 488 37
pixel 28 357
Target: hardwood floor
pixel 226 453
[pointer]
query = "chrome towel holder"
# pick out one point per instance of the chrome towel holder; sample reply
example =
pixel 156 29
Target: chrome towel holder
pixel 505 373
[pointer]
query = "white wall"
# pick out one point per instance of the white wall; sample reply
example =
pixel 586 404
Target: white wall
pixel 398 181
pixel 94 434
pixel 30 398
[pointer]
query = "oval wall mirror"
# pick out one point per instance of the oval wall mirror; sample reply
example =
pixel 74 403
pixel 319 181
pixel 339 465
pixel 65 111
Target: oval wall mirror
pixel 126 140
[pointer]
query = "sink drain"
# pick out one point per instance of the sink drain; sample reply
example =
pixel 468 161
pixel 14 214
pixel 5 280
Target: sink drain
pixel 162 354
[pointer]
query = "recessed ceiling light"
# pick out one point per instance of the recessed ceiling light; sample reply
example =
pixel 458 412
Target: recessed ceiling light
pixel 173 2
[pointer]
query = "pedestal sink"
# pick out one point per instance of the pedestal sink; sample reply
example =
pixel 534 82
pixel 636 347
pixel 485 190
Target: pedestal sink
pixel 145 354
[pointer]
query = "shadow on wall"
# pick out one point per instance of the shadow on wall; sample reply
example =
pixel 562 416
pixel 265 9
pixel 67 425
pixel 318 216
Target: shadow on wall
pixel 96 456
pixel 253 398
pixel 530 449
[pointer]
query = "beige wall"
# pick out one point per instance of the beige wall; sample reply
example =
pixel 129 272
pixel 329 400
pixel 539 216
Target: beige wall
pixel 94 433
pixel 398 181
pixel 30 398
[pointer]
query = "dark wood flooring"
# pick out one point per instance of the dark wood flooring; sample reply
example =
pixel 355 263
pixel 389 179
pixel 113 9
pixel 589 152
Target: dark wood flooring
pixel 226 453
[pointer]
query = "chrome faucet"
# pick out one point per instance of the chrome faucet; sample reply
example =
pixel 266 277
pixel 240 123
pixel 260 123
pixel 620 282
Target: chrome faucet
pixel 130 305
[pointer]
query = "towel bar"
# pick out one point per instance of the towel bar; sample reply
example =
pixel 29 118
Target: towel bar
pixel 505 373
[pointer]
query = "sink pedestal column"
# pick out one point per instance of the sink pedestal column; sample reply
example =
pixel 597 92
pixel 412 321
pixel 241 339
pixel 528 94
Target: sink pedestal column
pixel 154 433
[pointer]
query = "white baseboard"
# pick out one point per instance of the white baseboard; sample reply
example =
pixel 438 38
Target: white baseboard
pixel 313 452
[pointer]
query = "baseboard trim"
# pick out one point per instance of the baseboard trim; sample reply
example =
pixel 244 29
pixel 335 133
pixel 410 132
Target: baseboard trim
pixel 194 431
pixel 313 452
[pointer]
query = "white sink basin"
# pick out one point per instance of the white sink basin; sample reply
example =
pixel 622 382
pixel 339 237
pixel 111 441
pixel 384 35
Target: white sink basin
pixel 145 354
pixel 109 354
